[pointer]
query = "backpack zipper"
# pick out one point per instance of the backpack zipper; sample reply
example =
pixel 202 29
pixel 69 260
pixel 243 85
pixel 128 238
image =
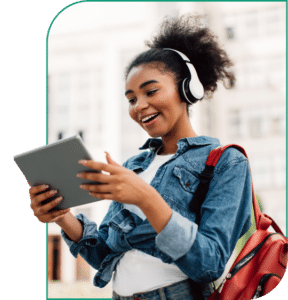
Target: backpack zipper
pixel 244 261
pixel 259 290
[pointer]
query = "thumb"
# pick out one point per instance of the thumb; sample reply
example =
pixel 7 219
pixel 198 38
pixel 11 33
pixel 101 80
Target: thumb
pixel 110 160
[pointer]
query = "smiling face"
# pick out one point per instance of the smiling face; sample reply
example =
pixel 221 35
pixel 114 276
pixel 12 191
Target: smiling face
pixel 154 102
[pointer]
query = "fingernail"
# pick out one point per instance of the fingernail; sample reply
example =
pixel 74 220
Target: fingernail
pixel 44 187
pixel 53 192
pixel 78 175
pixel 68 209
pixel 83 161
pixel 59 199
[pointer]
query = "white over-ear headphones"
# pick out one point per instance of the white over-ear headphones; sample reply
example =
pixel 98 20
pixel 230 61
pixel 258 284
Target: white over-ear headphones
pixel 192 88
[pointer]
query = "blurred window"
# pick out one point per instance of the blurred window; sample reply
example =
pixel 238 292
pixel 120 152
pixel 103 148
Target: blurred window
pixel 63 89
pixel 235 124
pixel 232 82
pixel 62 100
pixel 252 24
pixel 54 257
pixel 83 117
pixel 81 133
pixel 273 20
pixel 60 135
pixel 279 170
pixel 254 73
pixel 269 170
pixel 83 100
pixel 83 210
pixel 230 26
pixel 277 120
pixel 97 119
pixel 166 8
pixel 257 118
pixel 84 87
pixel 276 71
pixel 255 126
pixel 63 118
pixel 261 171
pixel 230 33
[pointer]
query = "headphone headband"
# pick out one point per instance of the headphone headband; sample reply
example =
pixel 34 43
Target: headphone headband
pixel 192 88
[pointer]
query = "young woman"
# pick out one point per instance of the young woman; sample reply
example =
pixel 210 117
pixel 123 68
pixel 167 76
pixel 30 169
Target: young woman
pixel 149 237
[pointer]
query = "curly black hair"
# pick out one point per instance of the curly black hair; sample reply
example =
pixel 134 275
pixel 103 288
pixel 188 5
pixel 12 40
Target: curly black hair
pixel 187 35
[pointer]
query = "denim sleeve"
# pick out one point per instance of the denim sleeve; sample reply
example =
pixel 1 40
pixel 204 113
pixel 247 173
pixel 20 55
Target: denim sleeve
pixel 92 247
pixel 202 252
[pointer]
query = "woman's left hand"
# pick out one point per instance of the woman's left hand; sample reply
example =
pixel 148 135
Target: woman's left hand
pixel 121 185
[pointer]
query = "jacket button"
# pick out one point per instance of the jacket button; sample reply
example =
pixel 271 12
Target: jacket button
pixel 187 184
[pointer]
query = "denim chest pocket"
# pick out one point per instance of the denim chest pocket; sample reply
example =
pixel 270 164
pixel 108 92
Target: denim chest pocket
pixel 181 187
pixel 186 178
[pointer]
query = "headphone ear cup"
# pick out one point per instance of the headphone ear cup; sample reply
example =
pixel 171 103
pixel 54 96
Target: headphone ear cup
pixel 182 92
pixel 187 93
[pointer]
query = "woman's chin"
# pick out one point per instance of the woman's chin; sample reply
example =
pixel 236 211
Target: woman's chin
pixel 155 134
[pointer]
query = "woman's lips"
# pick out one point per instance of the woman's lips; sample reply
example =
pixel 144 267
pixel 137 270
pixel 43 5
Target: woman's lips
pixel 148 124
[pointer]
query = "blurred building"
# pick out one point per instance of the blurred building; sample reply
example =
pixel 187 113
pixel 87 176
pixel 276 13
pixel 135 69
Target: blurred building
pixel 253 112
pixel 86 97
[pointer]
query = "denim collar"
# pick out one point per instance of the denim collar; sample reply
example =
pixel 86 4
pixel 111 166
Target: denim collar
pixel 154 143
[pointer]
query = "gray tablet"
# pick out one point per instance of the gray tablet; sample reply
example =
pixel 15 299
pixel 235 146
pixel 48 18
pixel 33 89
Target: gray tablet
pixel 57 165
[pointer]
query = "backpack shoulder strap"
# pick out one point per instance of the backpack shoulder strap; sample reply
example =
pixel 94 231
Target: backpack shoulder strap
pixel 205 178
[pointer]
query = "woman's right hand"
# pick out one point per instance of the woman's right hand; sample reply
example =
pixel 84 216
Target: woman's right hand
pixel 37 195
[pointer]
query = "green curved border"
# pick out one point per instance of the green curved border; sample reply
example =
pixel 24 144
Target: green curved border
pixel 48 32
pixel 270 296
pixel 24 27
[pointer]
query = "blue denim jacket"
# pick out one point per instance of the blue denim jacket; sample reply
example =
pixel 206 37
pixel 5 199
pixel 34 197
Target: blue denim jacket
pixel 201 252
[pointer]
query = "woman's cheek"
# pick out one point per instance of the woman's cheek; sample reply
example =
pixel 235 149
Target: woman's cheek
pixel 132 113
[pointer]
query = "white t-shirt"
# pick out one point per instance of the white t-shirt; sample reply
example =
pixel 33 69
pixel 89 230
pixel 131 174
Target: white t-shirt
pixel 138 272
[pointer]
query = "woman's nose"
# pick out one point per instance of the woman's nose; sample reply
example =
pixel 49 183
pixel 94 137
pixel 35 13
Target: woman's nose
pixel 140 105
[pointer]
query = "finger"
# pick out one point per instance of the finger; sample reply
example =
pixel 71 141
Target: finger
pixel 110 160
pixel 38 189
pixel 41 197
pixel 99 177
pixel 98 166
pixel 97 188
pixel 56 214
pixel 50 217
pixel 101 196
pixel 48 206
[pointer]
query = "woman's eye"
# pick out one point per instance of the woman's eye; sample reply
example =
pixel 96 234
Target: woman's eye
pixel 131 101
pixel 151 92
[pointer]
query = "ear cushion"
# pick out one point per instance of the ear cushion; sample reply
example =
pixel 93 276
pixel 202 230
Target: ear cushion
pixel 186 91
pixel 182 92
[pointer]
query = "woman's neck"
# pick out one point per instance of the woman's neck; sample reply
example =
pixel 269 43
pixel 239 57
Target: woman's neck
pixel 169 145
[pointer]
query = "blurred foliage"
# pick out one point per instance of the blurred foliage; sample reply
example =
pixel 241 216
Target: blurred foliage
pixel 243 240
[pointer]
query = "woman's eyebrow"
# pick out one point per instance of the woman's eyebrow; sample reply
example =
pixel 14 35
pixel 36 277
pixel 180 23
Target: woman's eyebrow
pixel 142 85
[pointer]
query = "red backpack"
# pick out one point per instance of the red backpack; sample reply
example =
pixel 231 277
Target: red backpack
pixel 262 262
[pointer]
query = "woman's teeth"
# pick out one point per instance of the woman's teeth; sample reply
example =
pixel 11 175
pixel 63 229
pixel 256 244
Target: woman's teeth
pixel 147 119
